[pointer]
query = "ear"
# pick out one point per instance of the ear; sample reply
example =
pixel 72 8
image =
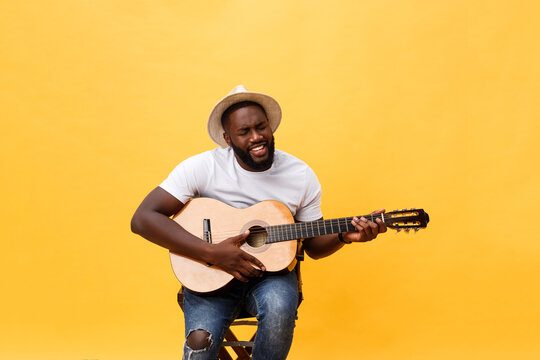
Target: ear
pixel 227 138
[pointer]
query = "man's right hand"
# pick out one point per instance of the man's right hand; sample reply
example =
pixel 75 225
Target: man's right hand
pixel 228 256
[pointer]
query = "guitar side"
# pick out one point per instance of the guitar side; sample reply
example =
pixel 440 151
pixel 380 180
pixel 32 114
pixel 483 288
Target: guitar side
pixel 227 221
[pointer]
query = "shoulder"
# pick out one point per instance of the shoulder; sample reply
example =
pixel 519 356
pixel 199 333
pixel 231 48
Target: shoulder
pixel 287 162
pixel 285 159
pixel 204 159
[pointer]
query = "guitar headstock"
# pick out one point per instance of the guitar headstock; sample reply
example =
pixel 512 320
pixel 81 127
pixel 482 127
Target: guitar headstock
pixel 414 219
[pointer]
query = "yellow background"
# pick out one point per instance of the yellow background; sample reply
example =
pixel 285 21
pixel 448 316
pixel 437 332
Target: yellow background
pixel 394 104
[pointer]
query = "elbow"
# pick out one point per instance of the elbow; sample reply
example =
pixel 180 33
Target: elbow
pixel 136 224
pixel 313 254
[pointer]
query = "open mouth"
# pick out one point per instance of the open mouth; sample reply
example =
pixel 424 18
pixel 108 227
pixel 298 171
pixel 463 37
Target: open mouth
pixel 258 150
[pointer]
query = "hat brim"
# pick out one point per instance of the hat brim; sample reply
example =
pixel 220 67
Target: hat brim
pixel 269 104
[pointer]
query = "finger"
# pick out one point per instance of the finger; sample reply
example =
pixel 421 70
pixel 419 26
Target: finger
pixel 374 227
pixel 362 236
pixel 239 276
pixel 367 228
pixel 252 259
pixel 241 238
pixel 382 226
pixel 358 225
pixel 251 271
pixel 380 211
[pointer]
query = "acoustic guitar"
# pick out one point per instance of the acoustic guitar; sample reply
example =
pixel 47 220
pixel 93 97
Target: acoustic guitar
pixel 272 239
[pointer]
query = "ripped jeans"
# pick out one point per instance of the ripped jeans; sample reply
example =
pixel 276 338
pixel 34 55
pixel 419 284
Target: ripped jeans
pixel 273 299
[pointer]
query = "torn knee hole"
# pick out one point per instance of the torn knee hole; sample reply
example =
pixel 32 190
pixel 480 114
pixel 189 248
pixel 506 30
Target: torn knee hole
pixel 199 339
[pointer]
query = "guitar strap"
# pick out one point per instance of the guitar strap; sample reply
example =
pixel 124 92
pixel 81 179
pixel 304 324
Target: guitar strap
pixel 299 259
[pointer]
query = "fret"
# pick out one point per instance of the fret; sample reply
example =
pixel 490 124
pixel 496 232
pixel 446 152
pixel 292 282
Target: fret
pixel 269 233
pixel 280 232
pixel 349 225
pixel 274 231
pixel 344 225
pixel 309 229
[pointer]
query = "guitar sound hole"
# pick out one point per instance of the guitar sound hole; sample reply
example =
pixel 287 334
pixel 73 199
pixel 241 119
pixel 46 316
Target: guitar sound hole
pixel 257 236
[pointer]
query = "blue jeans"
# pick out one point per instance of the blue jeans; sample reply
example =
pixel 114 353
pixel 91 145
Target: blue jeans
pixel 273 299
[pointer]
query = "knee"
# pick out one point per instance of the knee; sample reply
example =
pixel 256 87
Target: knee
pixel 279 310
pixel 199 339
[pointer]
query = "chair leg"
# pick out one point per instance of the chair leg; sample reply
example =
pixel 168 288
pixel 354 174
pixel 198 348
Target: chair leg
pixel 250 349
pixel 224 354
pixel 241 351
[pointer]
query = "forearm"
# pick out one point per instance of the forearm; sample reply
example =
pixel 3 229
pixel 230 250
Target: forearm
pixel 321 246
pixel 165 232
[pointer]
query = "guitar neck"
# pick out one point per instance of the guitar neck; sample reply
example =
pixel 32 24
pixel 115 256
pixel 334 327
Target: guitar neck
pixel 309 229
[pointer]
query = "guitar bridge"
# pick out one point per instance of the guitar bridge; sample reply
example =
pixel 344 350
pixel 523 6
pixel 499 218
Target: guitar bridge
pixel 207 232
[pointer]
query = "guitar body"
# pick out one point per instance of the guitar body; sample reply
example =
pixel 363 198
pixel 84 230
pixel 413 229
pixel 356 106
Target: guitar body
pixel 225 222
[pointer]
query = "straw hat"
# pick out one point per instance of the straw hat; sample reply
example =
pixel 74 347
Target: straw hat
pixel 239 94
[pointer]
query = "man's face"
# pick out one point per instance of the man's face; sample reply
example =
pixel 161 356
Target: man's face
pixel 248 132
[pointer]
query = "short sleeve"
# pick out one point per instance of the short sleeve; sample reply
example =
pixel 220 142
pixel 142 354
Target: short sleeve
pixel 310 205
pixel 185 181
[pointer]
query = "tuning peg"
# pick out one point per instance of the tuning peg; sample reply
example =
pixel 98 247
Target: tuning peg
pixel 413 208
pixel 395 210
pixel 416 229
pixel 404 209
pixel 407 230
pixel 398 229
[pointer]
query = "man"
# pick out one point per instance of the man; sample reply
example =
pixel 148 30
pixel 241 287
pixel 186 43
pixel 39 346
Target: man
pixel 244 171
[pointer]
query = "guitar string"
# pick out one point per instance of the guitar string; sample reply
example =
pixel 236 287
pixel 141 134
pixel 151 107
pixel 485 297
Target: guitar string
pixel 316 225
pixel 290 228
pixel 295 227
pixel 219 237
pixel 278 234
pixel 281 236
pixel 323 223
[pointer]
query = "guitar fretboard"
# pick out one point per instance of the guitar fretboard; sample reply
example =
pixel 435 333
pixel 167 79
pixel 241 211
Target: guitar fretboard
pixel 277 233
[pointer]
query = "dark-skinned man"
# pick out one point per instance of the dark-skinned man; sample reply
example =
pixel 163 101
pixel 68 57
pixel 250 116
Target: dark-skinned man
pixel 243 171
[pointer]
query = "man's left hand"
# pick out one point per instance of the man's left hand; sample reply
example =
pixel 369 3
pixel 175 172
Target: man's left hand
pixel 366 230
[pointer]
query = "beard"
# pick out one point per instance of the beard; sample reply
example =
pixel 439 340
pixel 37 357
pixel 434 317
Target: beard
pixel 250 162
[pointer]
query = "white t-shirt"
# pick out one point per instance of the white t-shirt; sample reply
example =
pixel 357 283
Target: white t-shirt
pixel 216 174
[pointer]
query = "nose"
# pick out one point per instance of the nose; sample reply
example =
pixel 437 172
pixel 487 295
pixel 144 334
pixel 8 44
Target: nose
pixel 256 136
